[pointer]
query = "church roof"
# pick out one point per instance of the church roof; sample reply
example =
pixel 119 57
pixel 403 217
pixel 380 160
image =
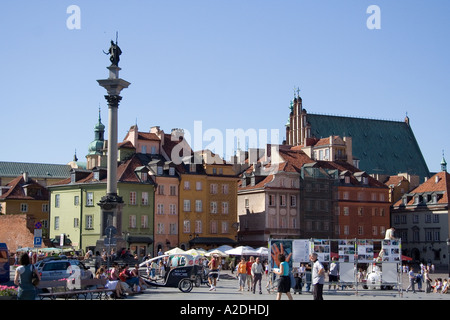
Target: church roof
pixel 383 147
pixel 35 170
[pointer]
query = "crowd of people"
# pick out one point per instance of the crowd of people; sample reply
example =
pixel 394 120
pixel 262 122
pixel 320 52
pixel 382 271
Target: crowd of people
pixel 423 277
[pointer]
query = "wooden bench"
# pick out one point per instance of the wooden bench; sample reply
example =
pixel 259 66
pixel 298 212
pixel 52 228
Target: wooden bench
pixel 93 288
pixel 88 287
pixel 51 289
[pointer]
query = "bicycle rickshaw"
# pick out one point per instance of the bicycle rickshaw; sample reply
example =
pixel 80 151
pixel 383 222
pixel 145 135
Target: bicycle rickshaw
pixel 182 271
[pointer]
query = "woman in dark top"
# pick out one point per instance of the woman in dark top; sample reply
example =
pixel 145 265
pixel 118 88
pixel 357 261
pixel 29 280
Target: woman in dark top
pixel 23 276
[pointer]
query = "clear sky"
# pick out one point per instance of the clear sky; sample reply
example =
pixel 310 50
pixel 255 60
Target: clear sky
pixel 227 63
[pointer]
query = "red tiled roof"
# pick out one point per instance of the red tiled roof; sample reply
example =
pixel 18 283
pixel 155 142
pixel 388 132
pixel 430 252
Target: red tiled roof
pixel 16 190
pixel 439 182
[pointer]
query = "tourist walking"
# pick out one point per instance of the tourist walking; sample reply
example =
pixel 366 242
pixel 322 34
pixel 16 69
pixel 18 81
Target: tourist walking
pixel 257 271
pixel 284 285
pixel 242 274
pixel 412 281
pixel 318 277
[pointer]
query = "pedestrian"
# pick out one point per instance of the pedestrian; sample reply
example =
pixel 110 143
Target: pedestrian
pixel 333 276
pixel 419 281
pixel 23 277
pixel 213 266
pixel 412 281
pixel 249 273
pixel 284 285
pixel 257 271
pixel 428 280
pixel 242 273
pixel 98 260
pixel 318 277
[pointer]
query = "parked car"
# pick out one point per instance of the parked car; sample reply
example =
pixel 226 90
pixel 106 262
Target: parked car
pixel 64 269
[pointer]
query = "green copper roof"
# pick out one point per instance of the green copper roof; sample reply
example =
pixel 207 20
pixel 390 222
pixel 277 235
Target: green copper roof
pixel 35 170
pixel 383 147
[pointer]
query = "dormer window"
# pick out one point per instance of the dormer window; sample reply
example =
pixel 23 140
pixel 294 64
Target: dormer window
pixel 347 179
pixel 144 176
pixel 96 175
pixel 171 171
pixel 159 170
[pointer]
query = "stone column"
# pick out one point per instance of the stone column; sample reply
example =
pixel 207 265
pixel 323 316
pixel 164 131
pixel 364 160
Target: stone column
pixel 111 203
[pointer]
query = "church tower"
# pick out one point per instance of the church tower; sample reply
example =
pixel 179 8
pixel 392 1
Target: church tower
pixel 296 128
pixel 96 147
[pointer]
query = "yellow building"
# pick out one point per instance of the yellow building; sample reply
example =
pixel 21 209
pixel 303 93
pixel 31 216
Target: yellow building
pixel 208 206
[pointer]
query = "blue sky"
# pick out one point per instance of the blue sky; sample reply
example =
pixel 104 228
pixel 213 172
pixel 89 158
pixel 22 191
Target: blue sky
pixel 230 64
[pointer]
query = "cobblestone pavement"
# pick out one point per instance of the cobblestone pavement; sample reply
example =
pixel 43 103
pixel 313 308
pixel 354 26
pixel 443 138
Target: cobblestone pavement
pixel 227 289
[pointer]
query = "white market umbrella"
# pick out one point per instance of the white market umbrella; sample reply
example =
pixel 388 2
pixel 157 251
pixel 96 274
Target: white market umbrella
pixel 175 251
pixel 195 252
pixel 263 251
pixel 241 251
pixel 222 248
pixel 217 253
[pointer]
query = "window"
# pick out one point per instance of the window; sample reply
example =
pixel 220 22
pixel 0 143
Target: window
pixel 213 207
pixel 173 190
pixel 173 228
pixel 225 188
pixel 160 228
pixel 172 208
pixel 213 226
pixel 360 230
pixel 160 208
pixel 89 221
pixel 225 207
pixel 346 230
pixel 76 222
pixel 132 197
pixel 187 185
pixel 171 171
pixel 224 227
pixel 23 207
pixel 161 189
pixel 293 201
pixel 186 205
pixel 144 149
pixel 56 224
pixel 213 188
pixel 247 203
pixel 186 226
pixel 144 221
pixel 89 199
pixel 198 206
pixel 346 211
pixel 76 200
pixel 271 200
pixel 198 185
pixel 159 170
pixel 144 198
pixel 132 221
pixel 57 196
pixel 45 207
pixel 144 176
pixel 283 200
pixel 198 226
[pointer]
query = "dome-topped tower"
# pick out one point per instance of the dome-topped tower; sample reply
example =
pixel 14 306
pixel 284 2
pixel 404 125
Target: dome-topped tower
pixel 95 149
pixel 96 146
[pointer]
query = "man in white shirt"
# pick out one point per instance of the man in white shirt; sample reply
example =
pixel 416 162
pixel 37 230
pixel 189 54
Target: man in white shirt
pixel 318 277
pixel 257 270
